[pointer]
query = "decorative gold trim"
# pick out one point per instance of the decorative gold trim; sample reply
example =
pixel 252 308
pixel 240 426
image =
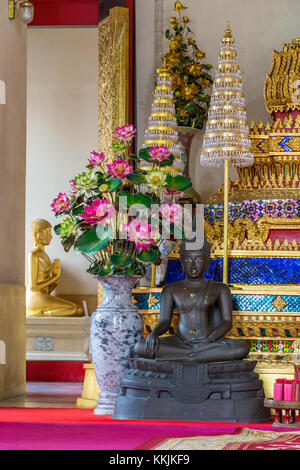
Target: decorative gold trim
pixel 258 254
pixel 113 76
pixel 275 330
pixel 272 289
pixel 266 316
pixel 147 290
pixel 154 311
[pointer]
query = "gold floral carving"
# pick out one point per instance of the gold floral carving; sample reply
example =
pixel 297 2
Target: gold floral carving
pixel 113 81
pixel 113 76
pixel 151 319
pixel 279 326
pixel 244 234
pixel 285 69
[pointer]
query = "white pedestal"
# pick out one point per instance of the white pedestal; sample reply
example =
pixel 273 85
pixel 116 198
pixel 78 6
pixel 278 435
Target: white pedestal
pixel 58 339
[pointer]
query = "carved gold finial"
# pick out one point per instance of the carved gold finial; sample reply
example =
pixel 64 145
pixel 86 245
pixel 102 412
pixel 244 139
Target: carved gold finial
pixel 228 32
pixel 163 70
pixel 228 38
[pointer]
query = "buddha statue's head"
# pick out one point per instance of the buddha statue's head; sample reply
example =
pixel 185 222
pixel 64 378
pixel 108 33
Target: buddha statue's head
pixel 41 231
pixel 195 262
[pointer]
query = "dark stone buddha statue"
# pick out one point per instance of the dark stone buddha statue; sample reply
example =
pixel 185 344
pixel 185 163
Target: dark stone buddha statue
pixel 197 374
pixel 205 317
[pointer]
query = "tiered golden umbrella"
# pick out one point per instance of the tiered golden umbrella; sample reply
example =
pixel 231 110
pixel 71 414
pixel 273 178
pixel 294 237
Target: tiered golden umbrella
pixel 226 140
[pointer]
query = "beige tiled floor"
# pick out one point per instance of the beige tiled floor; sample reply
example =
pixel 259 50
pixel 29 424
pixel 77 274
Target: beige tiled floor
pixel 47 395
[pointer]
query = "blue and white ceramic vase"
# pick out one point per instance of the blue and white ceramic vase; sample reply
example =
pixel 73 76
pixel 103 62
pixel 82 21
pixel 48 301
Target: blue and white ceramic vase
pixel 116 327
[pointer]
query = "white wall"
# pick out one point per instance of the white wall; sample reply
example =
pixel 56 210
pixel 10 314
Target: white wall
pixel 258 27
pixel 61 131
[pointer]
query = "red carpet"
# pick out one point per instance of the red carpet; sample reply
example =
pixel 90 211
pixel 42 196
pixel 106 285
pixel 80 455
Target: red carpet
pixel 76 429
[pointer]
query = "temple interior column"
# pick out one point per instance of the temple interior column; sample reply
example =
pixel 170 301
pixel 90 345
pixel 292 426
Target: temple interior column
pixel 12 196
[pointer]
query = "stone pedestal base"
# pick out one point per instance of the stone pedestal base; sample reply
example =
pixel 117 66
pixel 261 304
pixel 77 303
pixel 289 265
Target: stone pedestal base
pixel 106 404
pixel 225 392
pixel 58 339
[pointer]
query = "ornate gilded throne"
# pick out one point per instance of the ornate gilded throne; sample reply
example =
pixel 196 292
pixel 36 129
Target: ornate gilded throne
pixel 264 256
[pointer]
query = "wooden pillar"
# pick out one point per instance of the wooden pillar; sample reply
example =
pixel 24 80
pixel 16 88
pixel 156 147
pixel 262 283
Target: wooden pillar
pixel 12 194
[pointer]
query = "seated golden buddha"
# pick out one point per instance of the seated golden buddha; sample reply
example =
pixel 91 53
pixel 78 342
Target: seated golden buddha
pixel 43 278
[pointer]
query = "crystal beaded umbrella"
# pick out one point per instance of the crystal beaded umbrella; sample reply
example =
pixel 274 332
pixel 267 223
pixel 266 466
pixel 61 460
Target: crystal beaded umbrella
pixel 226 139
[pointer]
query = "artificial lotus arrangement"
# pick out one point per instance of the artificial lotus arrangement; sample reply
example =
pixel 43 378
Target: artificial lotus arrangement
pixel 94 210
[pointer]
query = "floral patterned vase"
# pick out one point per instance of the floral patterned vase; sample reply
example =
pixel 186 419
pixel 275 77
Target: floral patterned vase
pixel 116 327
pixel 186 135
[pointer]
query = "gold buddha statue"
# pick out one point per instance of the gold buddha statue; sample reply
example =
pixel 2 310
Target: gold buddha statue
pixel 44 277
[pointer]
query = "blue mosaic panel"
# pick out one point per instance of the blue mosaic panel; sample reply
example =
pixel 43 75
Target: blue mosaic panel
pixel 174 271
pixel 260 270
pixel 264 303
pixel 254 210
pixel 142 301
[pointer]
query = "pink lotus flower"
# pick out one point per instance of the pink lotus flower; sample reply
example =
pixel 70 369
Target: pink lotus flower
pixel 172 192
pixel 73 186
pixel 119 169
pixel 159 153
pixel 98 212
pixel 96 158
pixel 171 213
pixel 125 133
pixel 61 204
pixel 140 233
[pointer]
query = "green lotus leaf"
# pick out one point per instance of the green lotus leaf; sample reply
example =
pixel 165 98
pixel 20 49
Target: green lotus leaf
pixel 133 199
pixel 107 270
pixel 101 178
pixel 144 154
pixel 121 260
pixel 114 185
pixel 178 183
pixel 129 272
pixel 95 268
pixel 136 178
pixel 147 257
pixel 93 240
pixel 168 162
pixel 154 199
pixel 78 210
pixel 56 229
pixel 68 242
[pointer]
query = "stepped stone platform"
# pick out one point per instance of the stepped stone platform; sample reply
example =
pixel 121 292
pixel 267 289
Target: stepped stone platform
pixel 217 392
